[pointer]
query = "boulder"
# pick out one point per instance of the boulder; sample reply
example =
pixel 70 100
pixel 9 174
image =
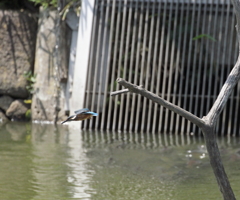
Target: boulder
pixel 17 48
pixel 5 102
pixel 3 117
pixel 17 110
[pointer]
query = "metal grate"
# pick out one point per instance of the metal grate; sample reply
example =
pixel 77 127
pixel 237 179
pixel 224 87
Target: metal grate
pixel 151 43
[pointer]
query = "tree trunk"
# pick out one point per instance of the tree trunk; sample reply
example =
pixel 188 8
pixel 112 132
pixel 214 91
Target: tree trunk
pixel 216 163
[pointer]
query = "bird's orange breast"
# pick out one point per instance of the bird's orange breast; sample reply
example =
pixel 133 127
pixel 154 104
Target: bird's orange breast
pixel 82 117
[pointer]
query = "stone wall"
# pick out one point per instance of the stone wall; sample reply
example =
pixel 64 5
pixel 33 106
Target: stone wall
pixel 17 51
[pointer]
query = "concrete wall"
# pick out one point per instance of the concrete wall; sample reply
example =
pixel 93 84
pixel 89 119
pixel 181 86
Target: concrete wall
pixel 51 68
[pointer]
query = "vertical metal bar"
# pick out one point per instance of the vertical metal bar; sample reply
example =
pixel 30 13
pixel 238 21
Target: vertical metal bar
pixel 177 35
pixel 139 106
pixel 188 77
pixel 96 68
pixel 233 107
pixel 178 69
pixel 216 55
pixel 236 109
pixel 135 117
pixel 200 66
pixel 212 28
pixel 102 83
pixel 153 76
pixel 218 84
pixel 173 66
pixel 177 75
pixel 114 64
pixel 205 71
pixel 148 113
pixel 189 66
pixel 164 83
pixel 182 66
pixel 124 112
pixel 127 122
pixel 226 18
pixel 196 42
pixel 160 60
pixel 110 47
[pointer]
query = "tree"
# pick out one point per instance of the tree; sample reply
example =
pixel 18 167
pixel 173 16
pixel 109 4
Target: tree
pixel 208 123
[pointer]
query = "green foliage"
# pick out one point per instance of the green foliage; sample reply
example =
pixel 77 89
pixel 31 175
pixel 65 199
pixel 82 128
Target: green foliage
pixel 28 114
pixel 54 3
pixel 204 36
pixel 31 79
pixel 45 3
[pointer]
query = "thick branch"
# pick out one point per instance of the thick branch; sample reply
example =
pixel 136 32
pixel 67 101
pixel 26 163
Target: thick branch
pixel 139 90
pixel 216 163
pixel 224 94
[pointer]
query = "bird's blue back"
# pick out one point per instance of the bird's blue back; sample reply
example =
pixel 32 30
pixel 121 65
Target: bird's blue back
pixel 81 110
pixel 85 111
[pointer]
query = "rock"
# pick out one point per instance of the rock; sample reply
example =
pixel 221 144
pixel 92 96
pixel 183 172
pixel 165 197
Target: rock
pixel 17 110
pixel 5 102
pixel 3 117
pixel 18 37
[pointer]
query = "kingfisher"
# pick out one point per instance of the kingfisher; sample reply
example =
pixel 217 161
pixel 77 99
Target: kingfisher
pixel 81 114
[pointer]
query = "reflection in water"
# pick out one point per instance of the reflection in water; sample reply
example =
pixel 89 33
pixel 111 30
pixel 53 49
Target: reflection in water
pixel 43 161
pixel 143 140
pixel 79 175
pixel 60 164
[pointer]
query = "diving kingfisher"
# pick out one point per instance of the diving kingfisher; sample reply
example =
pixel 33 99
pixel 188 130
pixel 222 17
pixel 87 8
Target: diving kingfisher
pixel 81 114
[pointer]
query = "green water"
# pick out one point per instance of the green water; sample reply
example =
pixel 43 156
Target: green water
pixel 61 162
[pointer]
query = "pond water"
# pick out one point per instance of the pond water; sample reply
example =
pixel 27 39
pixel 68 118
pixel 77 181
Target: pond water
pixel 61 162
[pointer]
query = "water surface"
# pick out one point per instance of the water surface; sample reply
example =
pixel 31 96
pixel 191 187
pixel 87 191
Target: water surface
pixel 61 162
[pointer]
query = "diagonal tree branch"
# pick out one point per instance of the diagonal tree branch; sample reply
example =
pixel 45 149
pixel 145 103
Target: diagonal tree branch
pixel 140 90
pixel 224 94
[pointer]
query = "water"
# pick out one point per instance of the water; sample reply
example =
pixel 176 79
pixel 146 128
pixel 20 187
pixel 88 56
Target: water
pixel 61 162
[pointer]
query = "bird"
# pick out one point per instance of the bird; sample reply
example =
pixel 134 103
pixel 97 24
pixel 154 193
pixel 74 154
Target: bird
pixel 81 114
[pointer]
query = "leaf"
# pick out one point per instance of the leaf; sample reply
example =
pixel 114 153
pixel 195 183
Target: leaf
pixel 28 101
pixel 204 36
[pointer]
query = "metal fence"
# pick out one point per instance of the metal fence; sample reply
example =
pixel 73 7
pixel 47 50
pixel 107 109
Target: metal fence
pixel 181 50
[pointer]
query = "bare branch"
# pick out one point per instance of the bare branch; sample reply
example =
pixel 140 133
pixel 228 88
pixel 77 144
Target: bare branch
pixel 119 92
pixel 140 90
pixel 224 94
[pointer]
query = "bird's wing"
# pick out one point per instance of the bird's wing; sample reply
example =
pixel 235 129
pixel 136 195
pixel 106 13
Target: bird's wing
pixel 71 117
pixel 81 111
pixel 92 113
